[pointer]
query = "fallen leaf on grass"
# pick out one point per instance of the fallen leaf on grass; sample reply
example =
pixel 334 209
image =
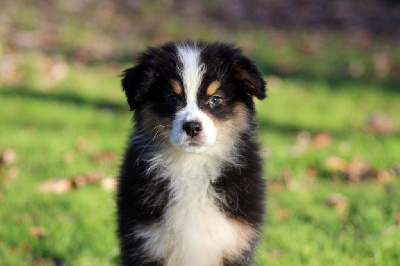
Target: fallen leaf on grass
pixel 8 156
pixel 396 169
pixel 94 177
pixel 311 172
pixel 379 123
pixel 386 175
pixel 57 185
pixel 37 231
pixel 305 141
pixel 14 250
pixel 48 261
pixel 288 179
pixel 78 181
pixel 321 140
pixel 62 185
pixel 108 183
pixel 356 169
pixel 82 144
pixel 336 164
pixel 13 172
pixel 1 196
pixel 26 247
pixel 338 202
pixel 397 218
pixel 284 214
pixel 276 185
pixel 104 157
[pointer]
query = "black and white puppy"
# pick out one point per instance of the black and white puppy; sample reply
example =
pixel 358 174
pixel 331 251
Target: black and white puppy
pixel 191 190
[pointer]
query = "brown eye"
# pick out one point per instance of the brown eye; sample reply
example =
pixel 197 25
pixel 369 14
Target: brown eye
pixel 172 99
pixel 215 100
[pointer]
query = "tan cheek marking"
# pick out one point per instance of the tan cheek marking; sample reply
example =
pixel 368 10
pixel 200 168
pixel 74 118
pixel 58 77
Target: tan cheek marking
pixel 177 88
pixel 154 124
pixel 241 114
pixel 213 87
pixel 244 234
pixel 237 123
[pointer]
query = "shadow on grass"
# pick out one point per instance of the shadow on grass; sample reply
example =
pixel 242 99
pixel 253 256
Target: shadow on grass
pixel 266 125
pixel 62 97
pixel 335 79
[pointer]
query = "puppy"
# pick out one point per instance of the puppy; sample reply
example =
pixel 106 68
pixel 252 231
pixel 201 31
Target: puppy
pixel 191 190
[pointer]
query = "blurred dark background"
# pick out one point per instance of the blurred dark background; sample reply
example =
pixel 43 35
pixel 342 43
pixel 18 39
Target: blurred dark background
pixel 89 30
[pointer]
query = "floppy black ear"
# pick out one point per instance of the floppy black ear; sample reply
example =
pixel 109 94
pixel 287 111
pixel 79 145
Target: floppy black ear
pixel 250 77
pixel 136 83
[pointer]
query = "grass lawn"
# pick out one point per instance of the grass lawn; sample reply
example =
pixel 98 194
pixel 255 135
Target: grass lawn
pixel 57 127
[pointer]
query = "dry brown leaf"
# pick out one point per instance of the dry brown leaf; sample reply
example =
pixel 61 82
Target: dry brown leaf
pixel 358 170
pixel 379 123
pixel 284 214
pixel 397 218
pixel 311 172
pixel 26 247
pixel 322 140
pixel 14 250
pixel 61 185
pixel 108 183
pixel 385 175
pixel 94 177
pixel 82 144
pixel 338 202
pixel 276 185
pixel 104 157
pixel 303 141
pixel 288 179
pixel 1 196
pixel 8 156
pixel 44 261
pixel 396 170
pixel 57 186
pixel 37 231
pixel 78 181
pixel 336 164
pixel 13 172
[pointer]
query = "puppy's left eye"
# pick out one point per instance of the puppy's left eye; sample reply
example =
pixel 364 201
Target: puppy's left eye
pixel 172 99
pixel 215 100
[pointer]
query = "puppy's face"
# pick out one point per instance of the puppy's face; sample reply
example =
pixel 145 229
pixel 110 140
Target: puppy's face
pixel 193 95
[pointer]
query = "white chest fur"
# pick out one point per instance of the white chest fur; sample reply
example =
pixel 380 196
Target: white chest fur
pixel 193 230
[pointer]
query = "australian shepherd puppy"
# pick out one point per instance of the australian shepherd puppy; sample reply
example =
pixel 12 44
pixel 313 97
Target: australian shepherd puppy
pixel 191 190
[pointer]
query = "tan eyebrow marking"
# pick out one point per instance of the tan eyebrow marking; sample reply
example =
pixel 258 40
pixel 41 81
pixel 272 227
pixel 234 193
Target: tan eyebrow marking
pixel 176 87
pixel 213 87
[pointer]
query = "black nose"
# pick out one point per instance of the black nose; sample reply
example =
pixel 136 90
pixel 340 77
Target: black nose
pixel 192 128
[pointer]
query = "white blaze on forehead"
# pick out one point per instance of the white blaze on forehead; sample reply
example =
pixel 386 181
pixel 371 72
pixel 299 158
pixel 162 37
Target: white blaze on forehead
pixel 192 70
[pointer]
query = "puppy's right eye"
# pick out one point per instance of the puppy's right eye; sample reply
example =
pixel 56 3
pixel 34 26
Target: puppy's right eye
pixel 172 99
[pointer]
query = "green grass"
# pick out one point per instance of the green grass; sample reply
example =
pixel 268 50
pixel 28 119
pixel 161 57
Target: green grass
pixel 59 108
pixel 45 125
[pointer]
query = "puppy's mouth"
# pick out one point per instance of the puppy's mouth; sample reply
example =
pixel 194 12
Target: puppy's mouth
pixel 191 145
pixel 194 143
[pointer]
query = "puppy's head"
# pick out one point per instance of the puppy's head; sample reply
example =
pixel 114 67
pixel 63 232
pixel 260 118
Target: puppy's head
pixel 193 95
